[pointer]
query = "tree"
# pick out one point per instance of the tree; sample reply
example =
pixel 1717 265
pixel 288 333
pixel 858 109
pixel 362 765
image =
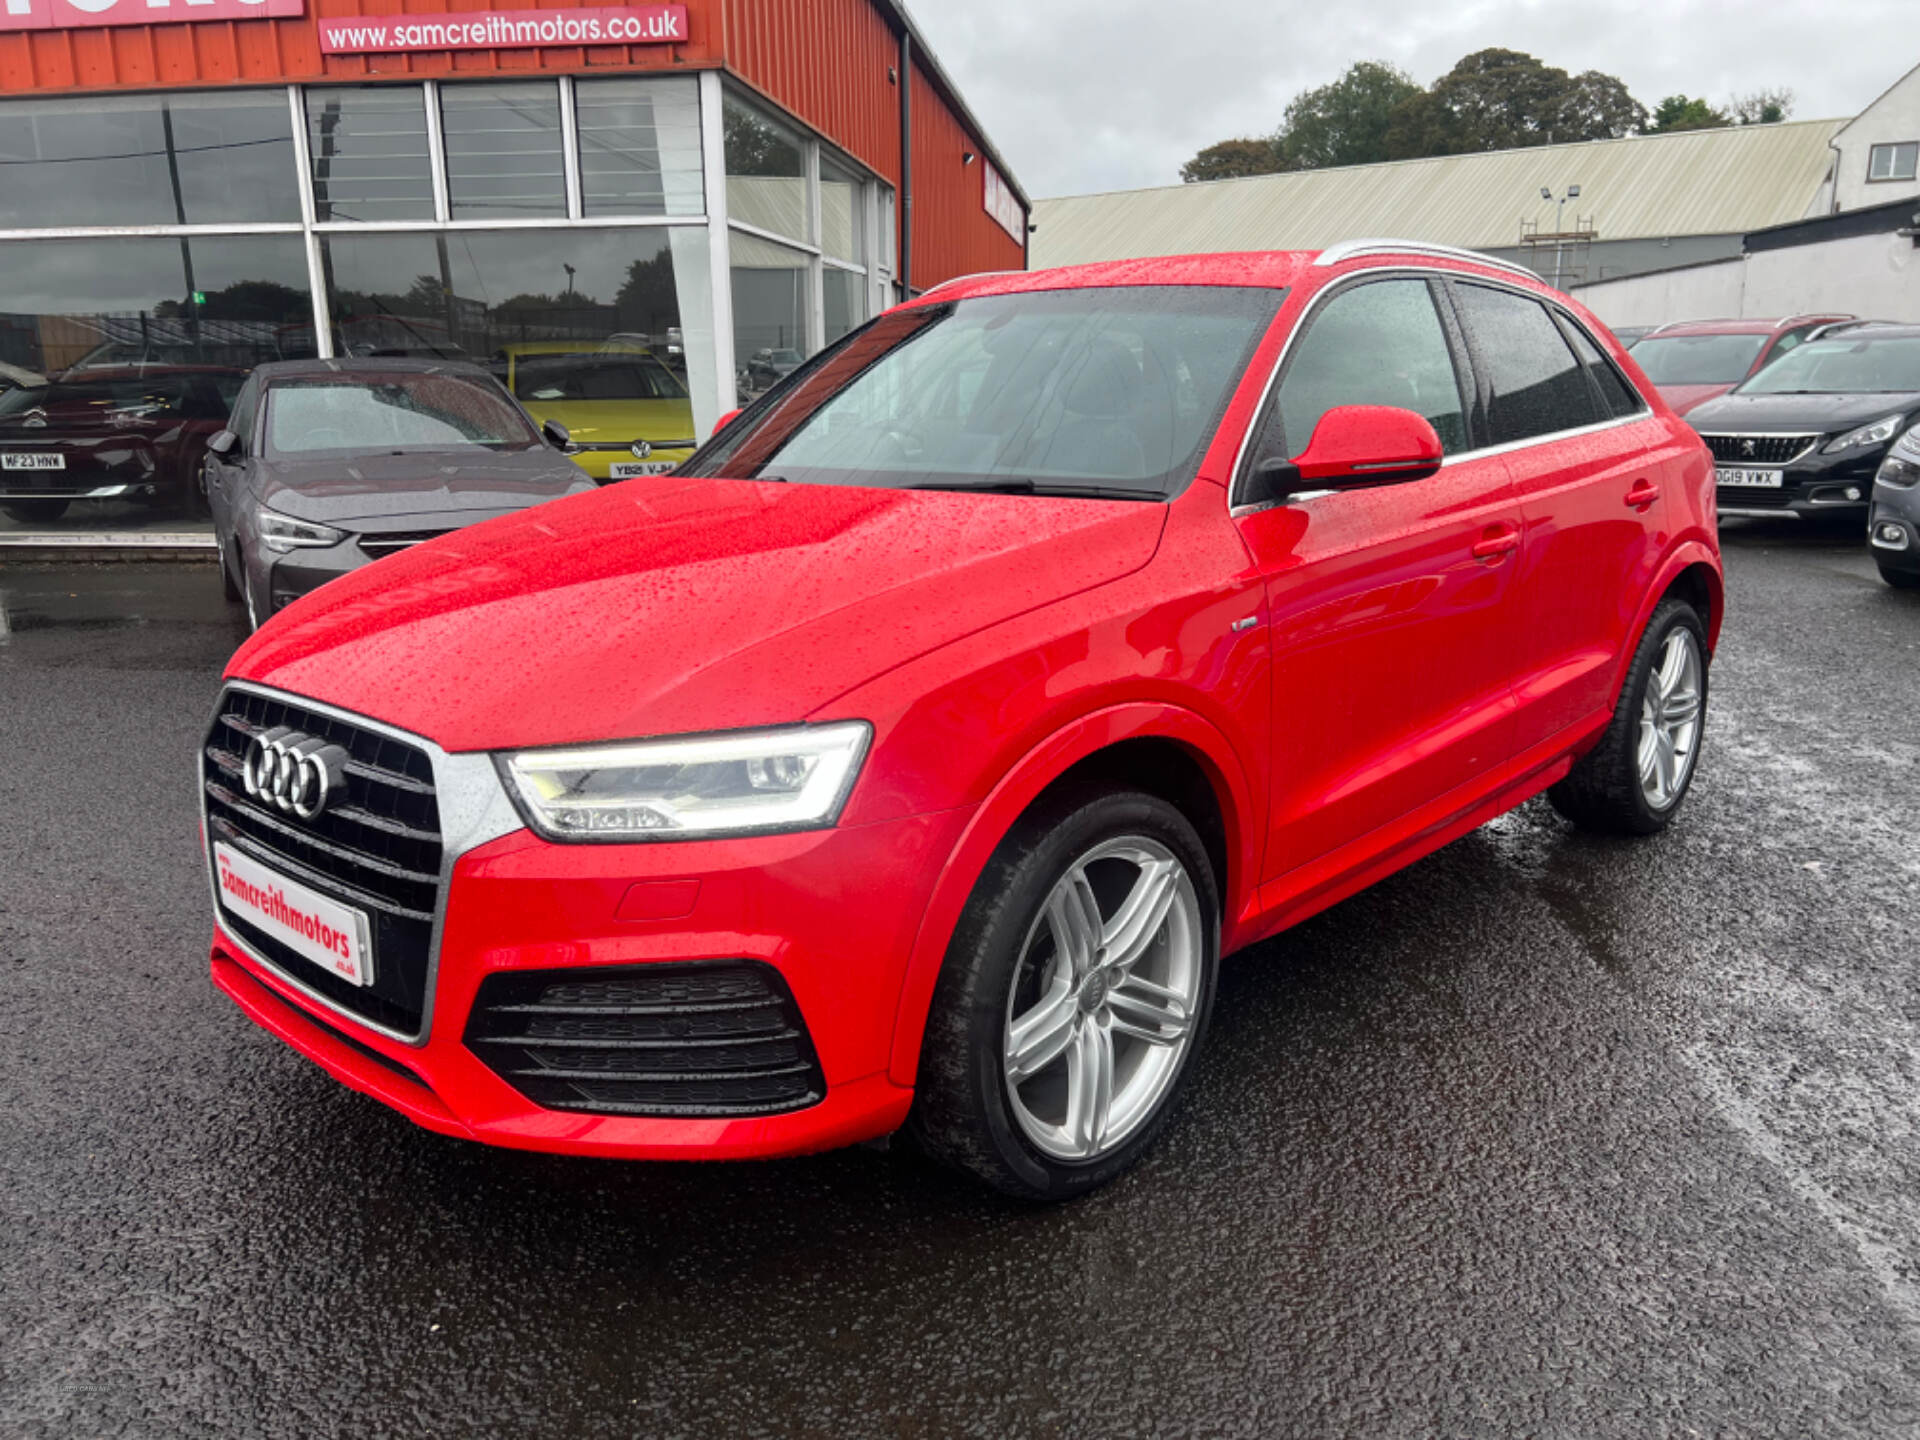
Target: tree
pixel 1677 112
pixel 1505 99
pixel 648 301
pixel 1345 122
pixel 755 146
pixel 1761 107
pixel 1231 159
pixel 1598 107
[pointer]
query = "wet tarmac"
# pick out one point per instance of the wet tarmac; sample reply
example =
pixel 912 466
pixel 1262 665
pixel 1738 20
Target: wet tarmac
pixel 1545 1136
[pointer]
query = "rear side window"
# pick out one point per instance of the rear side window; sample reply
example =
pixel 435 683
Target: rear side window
pixel 1380 343
pixel 1620 396
pixel 1537 386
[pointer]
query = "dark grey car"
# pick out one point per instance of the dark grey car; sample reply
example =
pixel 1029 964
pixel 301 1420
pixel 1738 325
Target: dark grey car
pixel 1893 527
pixel 326 465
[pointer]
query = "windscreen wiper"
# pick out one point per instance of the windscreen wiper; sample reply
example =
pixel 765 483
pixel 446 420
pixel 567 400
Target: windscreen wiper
pixel 1023 486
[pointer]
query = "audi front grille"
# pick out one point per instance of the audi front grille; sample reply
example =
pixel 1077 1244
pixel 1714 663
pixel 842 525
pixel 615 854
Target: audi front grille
pixel 1766 450
pixel 708 1038
pixel 376 847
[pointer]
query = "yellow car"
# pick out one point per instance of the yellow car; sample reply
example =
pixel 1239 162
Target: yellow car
pixel 628 414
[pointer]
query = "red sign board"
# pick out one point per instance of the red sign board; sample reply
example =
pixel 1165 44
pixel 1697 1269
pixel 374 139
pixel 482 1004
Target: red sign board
pixel 91 14
pixel 501 29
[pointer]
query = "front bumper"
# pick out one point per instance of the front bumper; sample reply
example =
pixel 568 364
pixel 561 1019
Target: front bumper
pixel 835 912
pixel 1818 487
pixel 1893 528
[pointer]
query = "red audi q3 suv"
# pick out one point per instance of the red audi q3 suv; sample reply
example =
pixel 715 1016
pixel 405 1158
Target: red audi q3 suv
pixel 912 754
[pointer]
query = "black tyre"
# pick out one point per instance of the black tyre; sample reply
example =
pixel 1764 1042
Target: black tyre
pixel 229 587
pixel 35 512
pixel 1635 780
pixel 1900 579
pixel 1075 994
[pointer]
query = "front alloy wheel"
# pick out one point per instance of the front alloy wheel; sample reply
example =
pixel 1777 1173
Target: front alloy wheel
pixel 1102 1003
pixel 1074 996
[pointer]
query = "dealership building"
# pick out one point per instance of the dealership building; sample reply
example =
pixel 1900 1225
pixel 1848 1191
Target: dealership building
pixel 189 188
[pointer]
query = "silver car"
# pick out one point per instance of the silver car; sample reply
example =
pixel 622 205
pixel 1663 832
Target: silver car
pixel 326 465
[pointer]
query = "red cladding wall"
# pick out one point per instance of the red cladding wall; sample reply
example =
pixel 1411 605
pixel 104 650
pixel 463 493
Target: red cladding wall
pixel 825 61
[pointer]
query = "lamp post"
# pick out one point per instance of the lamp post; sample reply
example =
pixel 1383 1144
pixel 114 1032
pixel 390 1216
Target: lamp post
pixel 1559 225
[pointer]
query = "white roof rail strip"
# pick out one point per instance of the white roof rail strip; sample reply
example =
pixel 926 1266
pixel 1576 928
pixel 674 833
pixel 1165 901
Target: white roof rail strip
pixel 1351 249
pixel 976 275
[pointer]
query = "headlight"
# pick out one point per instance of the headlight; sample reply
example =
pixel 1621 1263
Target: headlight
pixel 284 533
pixel 751 781
pixel 1878 433
pixel 1901 468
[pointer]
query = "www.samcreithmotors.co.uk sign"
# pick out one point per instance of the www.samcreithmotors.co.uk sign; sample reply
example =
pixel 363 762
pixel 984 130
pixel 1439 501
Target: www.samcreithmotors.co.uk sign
pixel 91 14
pixel 503 29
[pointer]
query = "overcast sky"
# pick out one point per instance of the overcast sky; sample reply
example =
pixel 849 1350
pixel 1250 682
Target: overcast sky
pixel 1089 95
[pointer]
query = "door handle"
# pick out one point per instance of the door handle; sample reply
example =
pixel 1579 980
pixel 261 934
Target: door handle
pixel 1642 494
pixel 1497 543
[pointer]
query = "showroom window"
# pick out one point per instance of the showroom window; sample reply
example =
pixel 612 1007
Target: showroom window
pixel 639 146
pixel 802 223
pixel 370 156
pixel 767 173
pixel 505 160
pixel 186 159
pixel 554 230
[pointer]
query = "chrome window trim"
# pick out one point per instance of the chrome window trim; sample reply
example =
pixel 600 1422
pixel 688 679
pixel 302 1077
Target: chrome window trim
pixel 1238 507
pixel 474 811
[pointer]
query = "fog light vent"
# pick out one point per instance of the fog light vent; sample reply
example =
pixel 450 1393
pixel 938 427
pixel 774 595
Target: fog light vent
pixel 712 1038
pixel 1890 536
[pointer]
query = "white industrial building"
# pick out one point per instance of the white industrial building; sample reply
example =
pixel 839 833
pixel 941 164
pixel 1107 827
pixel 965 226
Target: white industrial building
pixel 1756 220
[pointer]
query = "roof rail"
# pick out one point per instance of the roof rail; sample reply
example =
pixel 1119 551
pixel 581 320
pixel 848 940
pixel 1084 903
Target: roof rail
pixel 1352 249
pixel 1820 332
pixel 1832 317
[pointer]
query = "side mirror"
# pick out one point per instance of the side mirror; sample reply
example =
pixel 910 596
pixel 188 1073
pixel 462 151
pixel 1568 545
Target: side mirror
pixel 1356 447
pixel 223 442
pixel 725 420
pixel 556 434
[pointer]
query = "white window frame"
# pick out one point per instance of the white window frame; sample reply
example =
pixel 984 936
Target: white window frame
pixel 1894 151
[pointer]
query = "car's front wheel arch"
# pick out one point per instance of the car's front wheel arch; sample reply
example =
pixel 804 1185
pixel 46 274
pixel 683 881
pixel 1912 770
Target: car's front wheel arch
pixel 1178 750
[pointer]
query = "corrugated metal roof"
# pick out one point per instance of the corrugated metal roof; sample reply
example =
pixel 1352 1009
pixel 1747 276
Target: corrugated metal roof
pixel 1700 182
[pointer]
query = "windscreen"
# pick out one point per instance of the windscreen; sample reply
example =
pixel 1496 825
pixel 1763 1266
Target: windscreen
pixel 1105 391
pixel 390 412
pixel 1698 359
pixel 594 376
pixel 1843 366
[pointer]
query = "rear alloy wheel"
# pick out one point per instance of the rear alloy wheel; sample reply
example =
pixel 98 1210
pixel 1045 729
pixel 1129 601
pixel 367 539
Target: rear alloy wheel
pixel 35 512
pixel 1075 993
pixel 1634 780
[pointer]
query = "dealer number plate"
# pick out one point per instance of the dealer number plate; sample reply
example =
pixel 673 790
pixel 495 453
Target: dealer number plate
pixel 32 460
pixel 333 936
pixel 1749 479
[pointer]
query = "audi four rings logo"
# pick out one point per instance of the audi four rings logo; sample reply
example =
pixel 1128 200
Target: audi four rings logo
pixel 293 772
